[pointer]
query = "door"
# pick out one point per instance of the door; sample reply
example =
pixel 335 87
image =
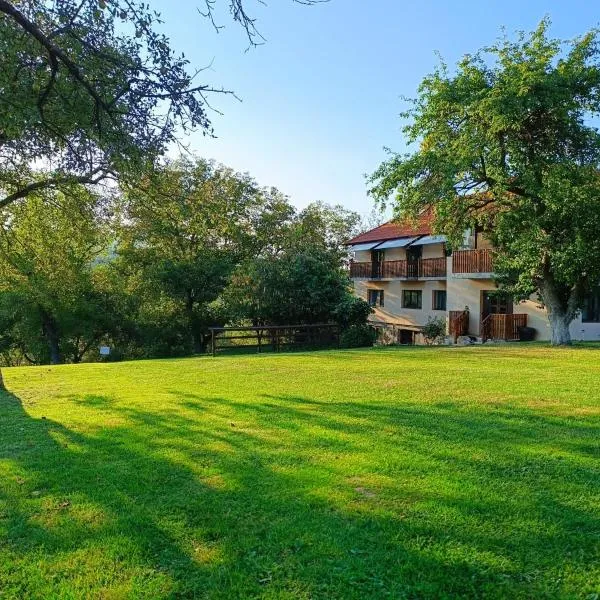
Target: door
pixel 494 303
pixel 407 337
pixel 413 256
pixel 377 264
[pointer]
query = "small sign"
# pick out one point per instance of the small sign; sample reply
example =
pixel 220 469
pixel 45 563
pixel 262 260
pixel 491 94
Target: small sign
pixel 104 351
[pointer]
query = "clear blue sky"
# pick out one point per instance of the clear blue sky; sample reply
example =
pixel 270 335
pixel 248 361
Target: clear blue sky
pixel 321 98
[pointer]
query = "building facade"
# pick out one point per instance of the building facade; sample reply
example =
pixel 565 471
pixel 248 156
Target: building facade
pixel 408 276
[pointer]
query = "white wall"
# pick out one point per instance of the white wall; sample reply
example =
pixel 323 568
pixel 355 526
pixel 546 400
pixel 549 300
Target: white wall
pixel 461 292
pixel 467 292
pixel 392 311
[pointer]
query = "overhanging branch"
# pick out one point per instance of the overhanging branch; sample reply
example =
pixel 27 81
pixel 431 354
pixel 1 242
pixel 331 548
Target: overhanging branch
pixel 90 178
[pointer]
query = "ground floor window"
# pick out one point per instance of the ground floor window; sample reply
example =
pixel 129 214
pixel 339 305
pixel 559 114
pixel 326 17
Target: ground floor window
pixel 412 299
pixel 439 300
pixel 375 297
pixel 591 308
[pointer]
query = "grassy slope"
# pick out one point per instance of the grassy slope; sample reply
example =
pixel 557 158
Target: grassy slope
pixel 351 474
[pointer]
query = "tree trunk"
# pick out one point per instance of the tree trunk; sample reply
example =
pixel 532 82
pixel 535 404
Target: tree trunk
pixel 562 305
pixel 52 337
pixel 198 340
pixel 2 386
pixel 559 328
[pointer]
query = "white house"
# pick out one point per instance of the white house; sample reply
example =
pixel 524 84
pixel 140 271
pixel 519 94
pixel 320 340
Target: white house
pixel 407 275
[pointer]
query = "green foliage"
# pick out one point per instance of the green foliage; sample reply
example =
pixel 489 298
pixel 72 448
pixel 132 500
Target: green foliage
pixel 184 229
pixel 90 88
pixel 146 273
pixel 293 288
pixel 50 302
pixel 358 336
pixel 506 143
pixel 434 330
pixel 201 244
pixel 352 311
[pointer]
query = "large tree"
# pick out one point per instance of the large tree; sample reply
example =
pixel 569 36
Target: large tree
pixel 507 142
pixel 184 229
pixel 90 88
pixel 50 303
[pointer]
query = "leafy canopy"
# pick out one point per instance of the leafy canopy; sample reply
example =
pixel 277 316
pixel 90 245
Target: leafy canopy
pixel 508 143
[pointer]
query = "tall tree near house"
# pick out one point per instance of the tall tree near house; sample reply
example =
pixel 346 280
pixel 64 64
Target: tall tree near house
pixel 507 142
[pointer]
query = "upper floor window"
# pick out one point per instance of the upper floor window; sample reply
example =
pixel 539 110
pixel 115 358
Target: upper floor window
pixel 590 312
pixel 412 299
pixel 375 297
pixel 439 300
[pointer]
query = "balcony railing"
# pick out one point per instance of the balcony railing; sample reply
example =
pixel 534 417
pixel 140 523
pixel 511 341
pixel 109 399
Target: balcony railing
pixel 399 269
pixel 458 323
pixel 472 261
pixel 502 327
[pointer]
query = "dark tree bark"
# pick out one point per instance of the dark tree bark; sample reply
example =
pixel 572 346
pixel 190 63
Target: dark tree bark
pixel 50 329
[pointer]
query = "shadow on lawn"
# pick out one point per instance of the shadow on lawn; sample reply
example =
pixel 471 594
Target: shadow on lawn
pixel 288 495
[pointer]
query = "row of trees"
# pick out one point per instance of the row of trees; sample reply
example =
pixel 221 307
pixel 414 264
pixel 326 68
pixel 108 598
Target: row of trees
pixel 148 270
pixel 91 91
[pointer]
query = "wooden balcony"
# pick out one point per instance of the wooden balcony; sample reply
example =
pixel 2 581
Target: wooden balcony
pixel 422 268
pixel 472 261
pixel 502 327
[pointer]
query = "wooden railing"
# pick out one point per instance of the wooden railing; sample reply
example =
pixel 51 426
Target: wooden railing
pixel 502 327
pixel 399 269
pixel 274 338
pixel 458 323
pixel 472 261
pixel 361 270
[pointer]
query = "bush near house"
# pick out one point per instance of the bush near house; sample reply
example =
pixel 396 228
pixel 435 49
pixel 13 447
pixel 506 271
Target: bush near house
pixel 434 330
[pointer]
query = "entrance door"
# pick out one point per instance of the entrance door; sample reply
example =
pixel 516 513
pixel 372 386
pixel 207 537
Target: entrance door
pixel 494 303
pixel 377 264
pixel 413 256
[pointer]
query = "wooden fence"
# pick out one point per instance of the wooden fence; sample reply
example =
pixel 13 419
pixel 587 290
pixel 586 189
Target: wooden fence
pixel 458 323
pixel 274 338
pixel 502 327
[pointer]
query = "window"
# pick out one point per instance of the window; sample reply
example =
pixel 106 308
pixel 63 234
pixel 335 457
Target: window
pixel 376 297
pixel 439 300
pixel 591 308
pixel 411 299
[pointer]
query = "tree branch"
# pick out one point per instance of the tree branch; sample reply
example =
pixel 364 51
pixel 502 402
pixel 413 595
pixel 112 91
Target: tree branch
pixel 93 177
pixel 53 50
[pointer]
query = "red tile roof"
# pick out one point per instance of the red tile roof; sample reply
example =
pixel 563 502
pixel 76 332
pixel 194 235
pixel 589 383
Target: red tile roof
pixel 396 229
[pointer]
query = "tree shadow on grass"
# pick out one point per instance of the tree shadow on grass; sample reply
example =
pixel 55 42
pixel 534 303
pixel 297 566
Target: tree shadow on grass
pixel 294 497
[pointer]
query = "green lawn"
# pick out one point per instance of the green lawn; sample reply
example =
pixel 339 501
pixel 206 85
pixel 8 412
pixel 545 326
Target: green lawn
pixel 400 473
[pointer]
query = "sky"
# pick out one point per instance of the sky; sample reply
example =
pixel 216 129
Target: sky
pixel 321 98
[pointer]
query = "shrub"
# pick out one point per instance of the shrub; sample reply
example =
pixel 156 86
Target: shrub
pixel 434 330
pixel 352 311
pixel 358 336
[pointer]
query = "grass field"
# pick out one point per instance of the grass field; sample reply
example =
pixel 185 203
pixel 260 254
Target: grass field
pixel 400 473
